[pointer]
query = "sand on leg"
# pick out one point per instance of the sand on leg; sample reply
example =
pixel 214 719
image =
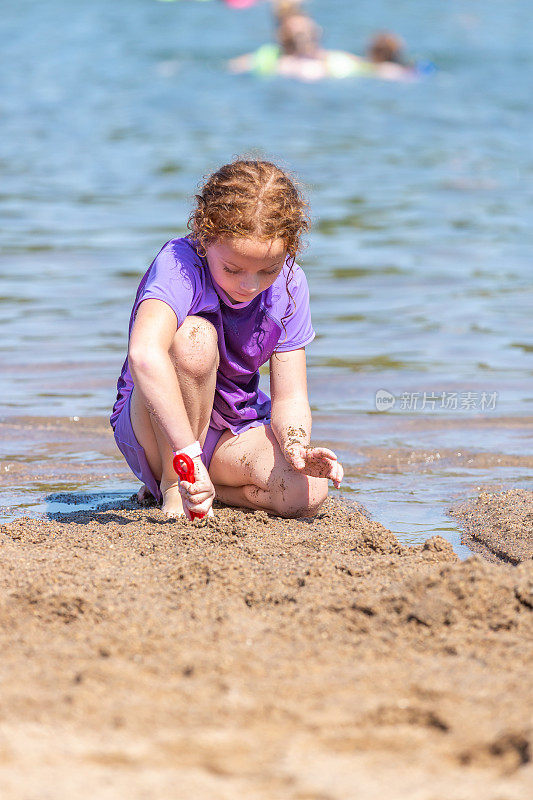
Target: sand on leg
pixel 194 354
pixel 250 471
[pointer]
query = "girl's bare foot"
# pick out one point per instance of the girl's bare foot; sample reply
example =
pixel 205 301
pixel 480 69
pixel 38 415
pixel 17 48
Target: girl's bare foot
pixel 145 496
pixel 172 503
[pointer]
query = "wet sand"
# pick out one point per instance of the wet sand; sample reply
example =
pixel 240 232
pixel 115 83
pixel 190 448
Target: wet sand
pixel 499 525
pixel 261 658
pixel 422 464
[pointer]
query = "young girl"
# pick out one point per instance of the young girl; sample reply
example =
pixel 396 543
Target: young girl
pixel 213 307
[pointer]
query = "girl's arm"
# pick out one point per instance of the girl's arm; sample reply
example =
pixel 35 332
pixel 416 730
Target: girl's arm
pixel 291 418
pixel 153 372
pixel 155 377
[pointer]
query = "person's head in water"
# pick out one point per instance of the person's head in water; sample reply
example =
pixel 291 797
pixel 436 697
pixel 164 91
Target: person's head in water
pixel 249 217
pixel 387 48
pixel 283 8
pixel 298 34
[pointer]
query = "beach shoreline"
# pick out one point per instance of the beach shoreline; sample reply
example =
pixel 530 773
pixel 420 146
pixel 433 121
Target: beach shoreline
pixel 406 471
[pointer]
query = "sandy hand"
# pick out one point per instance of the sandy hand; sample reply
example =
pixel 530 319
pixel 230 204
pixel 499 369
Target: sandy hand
pixel 319 462
pixel 198 496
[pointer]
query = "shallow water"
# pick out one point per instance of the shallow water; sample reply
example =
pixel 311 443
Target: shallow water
pixel 418 262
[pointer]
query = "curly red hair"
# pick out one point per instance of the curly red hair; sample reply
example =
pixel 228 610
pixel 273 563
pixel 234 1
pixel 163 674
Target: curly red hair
pixel 250 199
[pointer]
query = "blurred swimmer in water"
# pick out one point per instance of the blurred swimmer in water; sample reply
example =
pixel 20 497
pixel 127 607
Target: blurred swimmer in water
pixel 386 55
pixel 299 54
pixel 297 33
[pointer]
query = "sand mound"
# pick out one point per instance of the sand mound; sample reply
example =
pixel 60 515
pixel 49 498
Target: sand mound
pixel 499 524
pixel 258 657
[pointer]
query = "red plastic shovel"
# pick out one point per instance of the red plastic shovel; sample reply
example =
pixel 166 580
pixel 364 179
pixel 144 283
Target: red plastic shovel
pixel 186 473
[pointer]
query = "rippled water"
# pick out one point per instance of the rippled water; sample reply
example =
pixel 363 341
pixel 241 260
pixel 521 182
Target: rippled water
pixel 420 259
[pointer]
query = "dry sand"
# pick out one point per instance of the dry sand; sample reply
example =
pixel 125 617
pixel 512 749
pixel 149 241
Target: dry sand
pixel 262 658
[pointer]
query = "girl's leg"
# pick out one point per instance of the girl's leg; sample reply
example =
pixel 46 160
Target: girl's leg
pixel 249 470
pixel 194 353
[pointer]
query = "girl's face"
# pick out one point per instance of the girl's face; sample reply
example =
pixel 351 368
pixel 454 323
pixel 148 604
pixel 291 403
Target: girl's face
pixel 244 268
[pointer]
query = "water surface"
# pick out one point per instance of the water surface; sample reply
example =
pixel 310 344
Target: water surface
pixel 418 263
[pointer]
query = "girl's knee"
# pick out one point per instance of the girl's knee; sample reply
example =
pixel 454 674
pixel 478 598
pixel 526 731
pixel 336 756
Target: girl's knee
pixel 300 497
pixel 195 347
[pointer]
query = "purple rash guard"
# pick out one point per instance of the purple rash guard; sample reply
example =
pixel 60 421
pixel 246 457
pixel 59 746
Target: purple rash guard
pixel 248 333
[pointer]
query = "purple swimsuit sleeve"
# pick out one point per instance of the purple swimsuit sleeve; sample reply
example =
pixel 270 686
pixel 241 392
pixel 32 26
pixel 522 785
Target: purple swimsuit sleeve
pixel 174 281
pixel 298 327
